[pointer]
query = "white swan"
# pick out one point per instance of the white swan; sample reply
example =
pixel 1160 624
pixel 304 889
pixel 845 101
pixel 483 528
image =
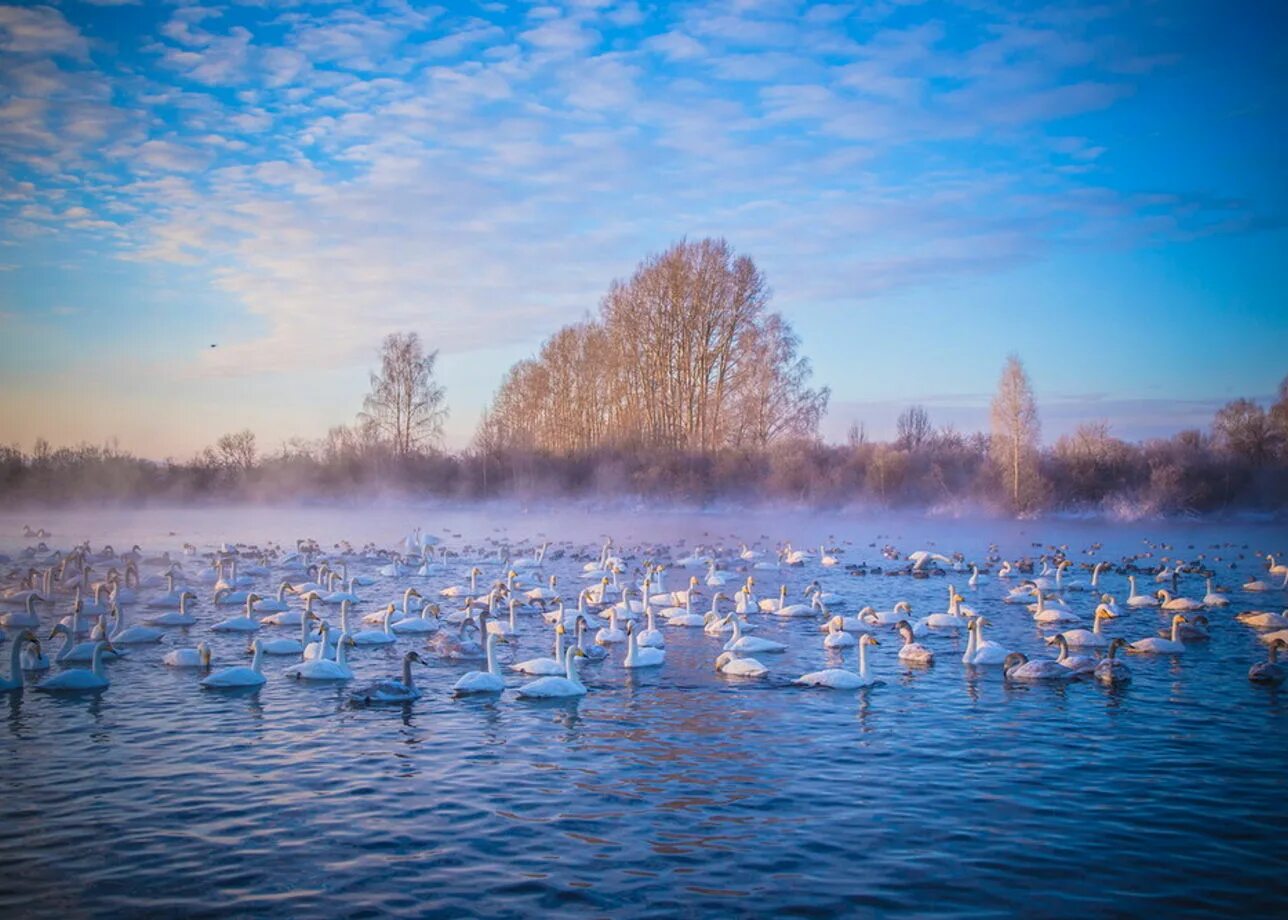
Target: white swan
pixel 912 651
pixel 375 637
pixel 132 635
pixel 198 657
pixel 569 685
pixel 240 675
pixel 320 668
pixel 285 646
pixel 548 667
pixel 1270 672
pixel 611 633
pixel 244 623
pixel 1153 645
pixel 981 651
pixel 1018 667
pixel 80 679
pixel 1089 638
pixel 749 644
pixel 1261 619
pixel 638 656
pixel 421 625
pixel 180 617
pixel 1135 599
pixel 1214 598
pixel 738 666
pixel 651 637
pixel 1176 603
pixel 836 636
pixel 839 678
pixel 1078 664
pixel 389 690
pixel 14 680
pixel 486 681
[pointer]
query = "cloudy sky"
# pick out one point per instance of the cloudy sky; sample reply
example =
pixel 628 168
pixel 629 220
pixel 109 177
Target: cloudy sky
pixel 928 186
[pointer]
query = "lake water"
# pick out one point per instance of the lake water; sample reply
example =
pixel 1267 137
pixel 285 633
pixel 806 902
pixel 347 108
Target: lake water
pixel 677 792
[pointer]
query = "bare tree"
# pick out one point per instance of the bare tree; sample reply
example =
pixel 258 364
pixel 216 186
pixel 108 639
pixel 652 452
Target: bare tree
pixel 857 435
pixel 1015 433
pixel 237 450
pixel 1243 429
pixel 1279 418
pixel 912 428
pixel 406 406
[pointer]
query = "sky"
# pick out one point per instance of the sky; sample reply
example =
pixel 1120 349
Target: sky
pixel 1099 188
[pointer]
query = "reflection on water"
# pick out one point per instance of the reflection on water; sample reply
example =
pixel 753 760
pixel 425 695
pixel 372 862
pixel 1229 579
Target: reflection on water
pixel 679 792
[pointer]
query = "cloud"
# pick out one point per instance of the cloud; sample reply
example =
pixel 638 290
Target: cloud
pixel 39 30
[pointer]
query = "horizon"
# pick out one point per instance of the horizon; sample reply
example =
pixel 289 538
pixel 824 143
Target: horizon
pixel 927 188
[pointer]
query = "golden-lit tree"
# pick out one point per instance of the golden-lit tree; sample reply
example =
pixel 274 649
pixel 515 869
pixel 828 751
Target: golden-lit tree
pixel 1015 434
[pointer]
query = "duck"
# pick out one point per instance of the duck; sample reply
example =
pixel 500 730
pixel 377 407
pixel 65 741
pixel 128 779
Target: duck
pixel 390 690
pixel 1262 619
pixel 739 666
pixel 239 675
pixel 839 678
pixel 1270 672
pixel 749 644
pixel 1078 664
pixel 836 636
pixel 1111 671
pixel 981 651
pixel 1018 667
pixel 1153 645
pixel 198 657
pixel 567 686
pixel 15 679
pixel 638 656
pixel 546 667
pixel 1214 598
pixel 1089 638
pixel 1167 602
pixel 489 680
pixel 318 669
pixel 180 617
pixel 78 680
pixel 912 652
pixel 244 623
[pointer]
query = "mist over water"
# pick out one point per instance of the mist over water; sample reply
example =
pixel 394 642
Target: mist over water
pixel 676 792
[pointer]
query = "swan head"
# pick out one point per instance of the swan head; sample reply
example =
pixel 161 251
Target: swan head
pixel 1104 613
pixel 725 657
pixel 865 639
pixel 1179 618
pixel 1014 660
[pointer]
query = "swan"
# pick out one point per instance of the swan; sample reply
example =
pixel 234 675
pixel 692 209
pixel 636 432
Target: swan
pixel 486 681
pixel 953 618
pixel 797 610
pixel 749 644
pixel 611 633
pixel 887 617
pixel 73 651
pixel 276 605
pixel 1152 645
pixel 771 604
pixel 240 675
pixel 547 667
pixel 675 598
pixel 289 646
pixel 638 656
pixel 921 557
pixel 381 636
pixel 1269 672
pixel 795 557
pixel 815 590
pixel 1275 568
pixel 736 666
pixel 715 578
pixel 1213 598
pixel 421 625
pixel 509 627
pixel 461 590
pixel 975 579
pixel 1139 600
pixel 1046 612
pixel 855 624
pixel 389 690
pixel 541 594
pixel 81 679
pixel 133 635
pixel 1007 570
pixel 1088 638
pixel 376 618
pixel 1061 584
pixel 463 647
pixel 244 623
pixel 1260 585
pixel 1078 664
pixel 317 668
pixel 981 651
pixel 593 652
pixel 684 616
pixel 1263 619
pixel 836 636
pixel 839 678
pixel 569 685
pixel 826 559
pixel 912 651
pixel 1018 667
pixel 180 617
pixel 27 617
pixel 33 658
pixel 652 636
pixel 1111 671
pixel 1195 630
pixel 1176 603
pixel 198 657
pixel 14 680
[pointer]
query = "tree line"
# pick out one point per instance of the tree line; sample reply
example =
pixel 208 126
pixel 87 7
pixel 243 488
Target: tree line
pixel 687 386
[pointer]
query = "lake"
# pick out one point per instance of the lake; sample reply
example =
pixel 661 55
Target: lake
pixel 944 791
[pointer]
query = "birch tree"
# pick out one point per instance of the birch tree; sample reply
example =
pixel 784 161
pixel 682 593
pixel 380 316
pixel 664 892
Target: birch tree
pixel 406 406
pixel 1015 434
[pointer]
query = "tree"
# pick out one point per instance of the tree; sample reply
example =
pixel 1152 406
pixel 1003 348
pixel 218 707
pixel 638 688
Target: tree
pixel 1015 433
pixel 1243 429
pixel 406 406
pixel 912 429
pixel 1279 418
pixel 237 450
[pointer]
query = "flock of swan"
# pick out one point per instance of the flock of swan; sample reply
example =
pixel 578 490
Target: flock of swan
pixel 313 609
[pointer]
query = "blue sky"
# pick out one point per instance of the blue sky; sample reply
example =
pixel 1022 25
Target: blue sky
pixel 928 186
